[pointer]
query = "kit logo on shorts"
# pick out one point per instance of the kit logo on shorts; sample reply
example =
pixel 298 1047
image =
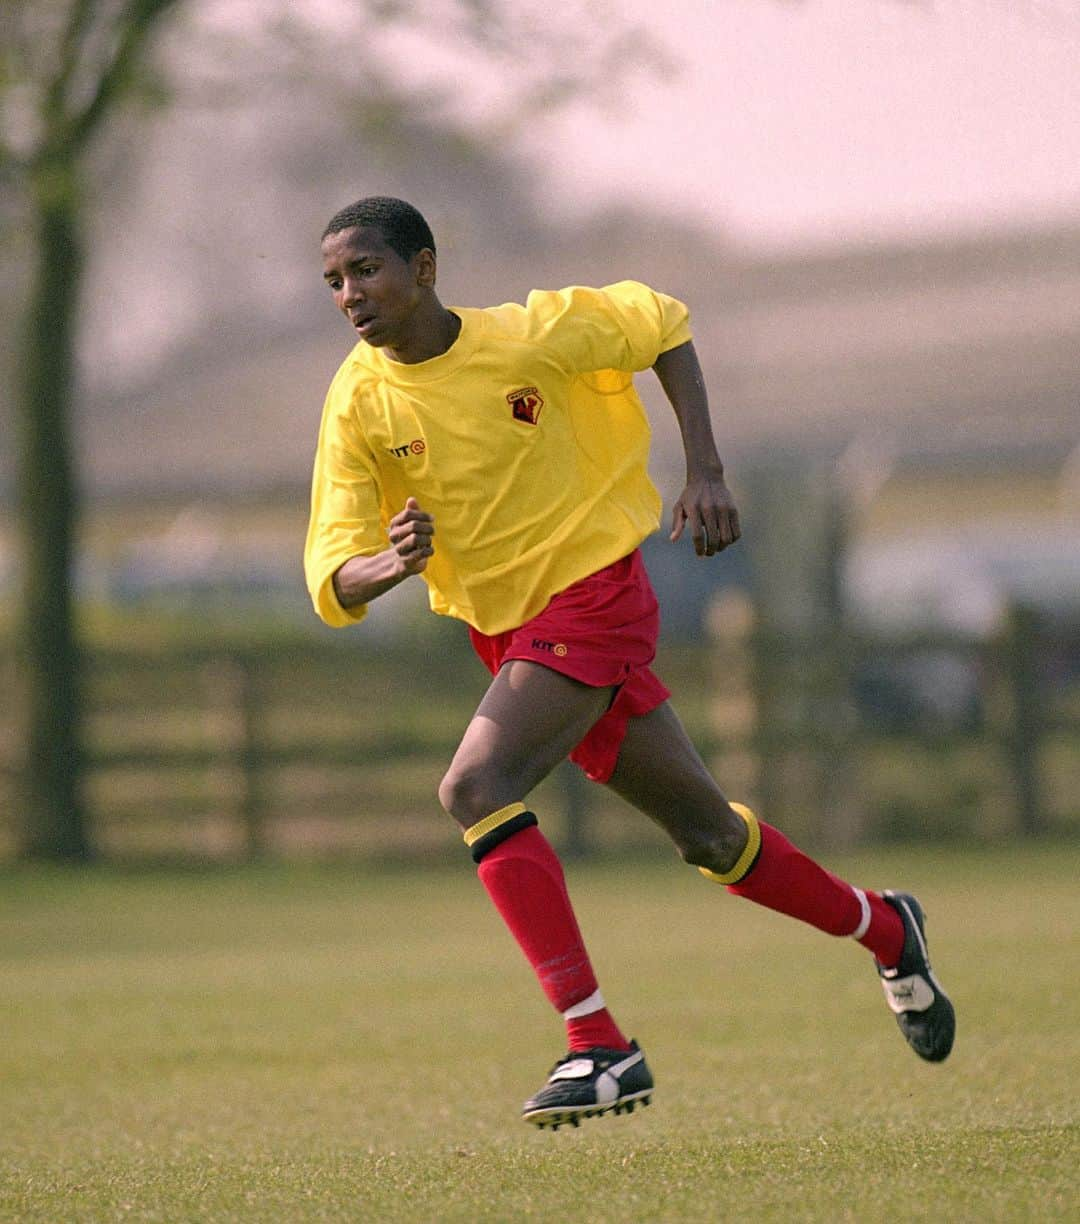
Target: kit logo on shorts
pixel 526 404
pixel 555 648
pixel 416 447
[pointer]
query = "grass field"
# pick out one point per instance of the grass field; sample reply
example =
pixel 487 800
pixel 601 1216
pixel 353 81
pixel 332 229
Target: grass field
pixel 293 1044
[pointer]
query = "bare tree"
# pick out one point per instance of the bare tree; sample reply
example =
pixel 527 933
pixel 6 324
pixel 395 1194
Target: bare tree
pixel 67 69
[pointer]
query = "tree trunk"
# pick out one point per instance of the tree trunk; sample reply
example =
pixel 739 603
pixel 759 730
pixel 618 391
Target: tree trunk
pixel 55 819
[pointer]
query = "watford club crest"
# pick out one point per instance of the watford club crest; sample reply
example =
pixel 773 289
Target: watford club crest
pixel 526 404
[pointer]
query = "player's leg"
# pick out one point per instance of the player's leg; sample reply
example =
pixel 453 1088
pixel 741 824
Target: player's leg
pixel 528 721
pixel 526 724
pixel 660 772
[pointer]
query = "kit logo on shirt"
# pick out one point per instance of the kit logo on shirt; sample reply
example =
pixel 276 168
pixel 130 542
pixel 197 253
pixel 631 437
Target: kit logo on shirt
pixel 416 447
pixel 526 404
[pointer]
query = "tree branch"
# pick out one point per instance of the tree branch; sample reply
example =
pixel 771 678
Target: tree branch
pixel 71 43
pixel 135 25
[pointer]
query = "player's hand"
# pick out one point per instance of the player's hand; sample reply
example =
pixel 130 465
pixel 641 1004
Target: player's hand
pixel 707 506
pixel 412 533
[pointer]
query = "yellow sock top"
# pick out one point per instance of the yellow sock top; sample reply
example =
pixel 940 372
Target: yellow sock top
pixel 750 852
pixel 483 827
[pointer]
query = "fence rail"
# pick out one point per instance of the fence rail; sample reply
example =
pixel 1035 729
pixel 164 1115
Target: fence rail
pixel 839 736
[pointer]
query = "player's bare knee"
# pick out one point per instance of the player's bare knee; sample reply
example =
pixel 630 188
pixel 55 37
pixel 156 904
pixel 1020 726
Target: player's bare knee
pixel 471 792
pixel 715 843
pixel 453 795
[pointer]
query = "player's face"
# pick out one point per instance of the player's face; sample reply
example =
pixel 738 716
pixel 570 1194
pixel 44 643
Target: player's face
pixel 377 291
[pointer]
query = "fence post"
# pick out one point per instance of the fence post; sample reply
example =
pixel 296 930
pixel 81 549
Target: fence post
pixel 252 807
pixel 575 796
pixel 798 524
pixel 768 737
pixel 1025 728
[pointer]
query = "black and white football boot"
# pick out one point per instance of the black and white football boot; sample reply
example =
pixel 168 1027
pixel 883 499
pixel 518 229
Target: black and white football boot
pixel 588 1083
pixel 922 1008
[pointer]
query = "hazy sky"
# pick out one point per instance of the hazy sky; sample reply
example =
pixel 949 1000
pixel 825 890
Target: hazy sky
pixel 819 120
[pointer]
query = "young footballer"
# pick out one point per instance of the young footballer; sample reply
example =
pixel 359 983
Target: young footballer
pixel 501 455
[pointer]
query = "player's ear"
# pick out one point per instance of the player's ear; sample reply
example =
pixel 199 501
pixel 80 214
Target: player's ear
pixel 424 263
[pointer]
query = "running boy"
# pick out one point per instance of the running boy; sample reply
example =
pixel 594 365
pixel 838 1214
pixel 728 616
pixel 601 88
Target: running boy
pixel 501 455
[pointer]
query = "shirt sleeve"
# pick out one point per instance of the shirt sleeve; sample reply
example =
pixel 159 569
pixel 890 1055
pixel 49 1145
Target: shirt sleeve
pixel 345 508
pixel 625 326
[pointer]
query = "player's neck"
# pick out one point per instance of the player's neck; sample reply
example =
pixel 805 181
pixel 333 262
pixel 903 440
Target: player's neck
pixel 435 333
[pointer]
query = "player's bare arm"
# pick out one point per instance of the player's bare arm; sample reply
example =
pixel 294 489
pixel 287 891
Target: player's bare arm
pixel 411 533
pixel 706 503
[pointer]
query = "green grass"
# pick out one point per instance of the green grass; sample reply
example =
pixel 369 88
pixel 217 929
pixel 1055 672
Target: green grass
pixel 293 1044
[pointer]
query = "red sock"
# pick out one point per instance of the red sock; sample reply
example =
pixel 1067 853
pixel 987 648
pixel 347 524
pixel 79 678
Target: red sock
pixel 525 880
pixel 786 880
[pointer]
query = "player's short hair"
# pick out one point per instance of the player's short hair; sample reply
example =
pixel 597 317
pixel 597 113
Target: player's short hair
pixel 403 228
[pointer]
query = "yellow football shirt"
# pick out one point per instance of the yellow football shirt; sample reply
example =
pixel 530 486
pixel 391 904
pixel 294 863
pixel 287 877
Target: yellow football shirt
pixel 525 441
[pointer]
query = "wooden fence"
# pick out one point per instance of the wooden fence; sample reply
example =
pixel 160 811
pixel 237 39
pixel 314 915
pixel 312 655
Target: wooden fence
pixel 848 736
pixel 313 748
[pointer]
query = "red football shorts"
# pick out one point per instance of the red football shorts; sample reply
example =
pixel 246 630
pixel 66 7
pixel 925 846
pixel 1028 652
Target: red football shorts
pixel 601 631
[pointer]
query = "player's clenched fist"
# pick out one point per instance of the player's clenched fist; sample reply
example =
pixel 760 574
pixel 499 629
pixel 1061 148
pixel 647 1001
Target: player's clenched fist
pixel 412 533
